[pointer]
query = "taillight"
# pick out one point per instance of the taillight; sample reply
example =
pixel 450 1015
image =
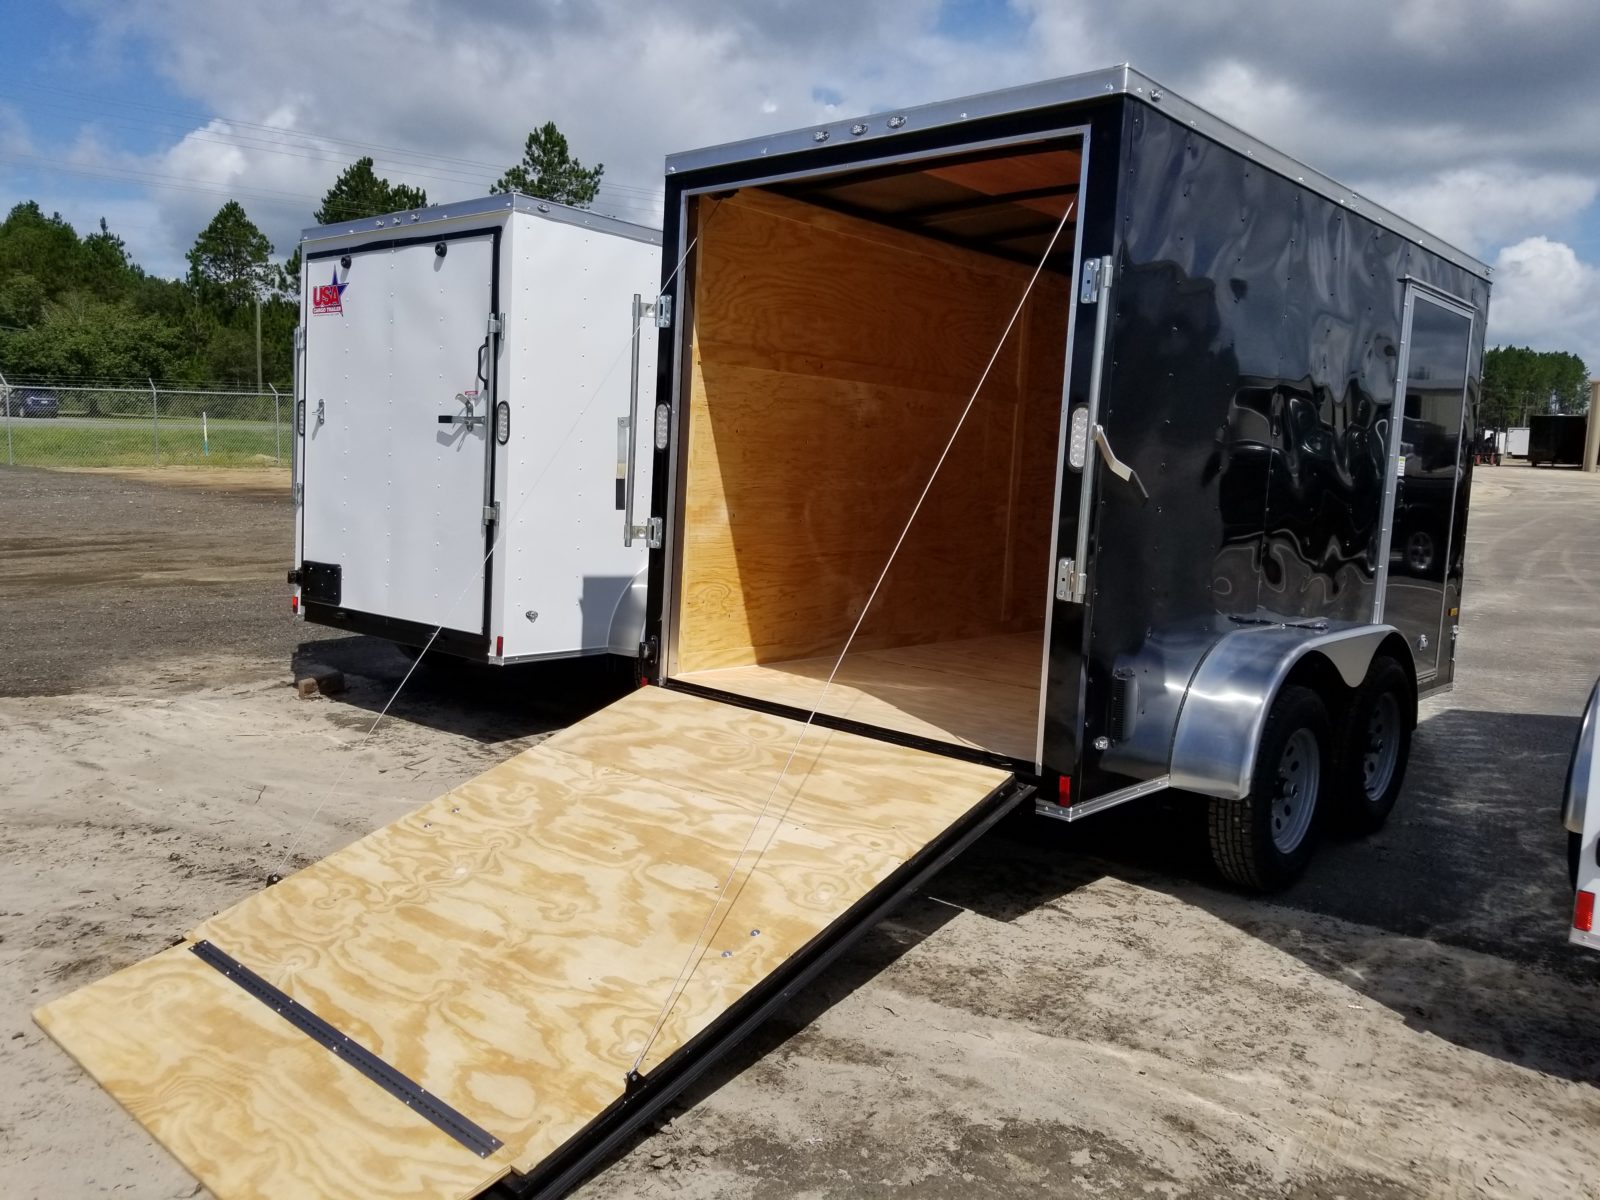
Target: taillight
pixel 1583 913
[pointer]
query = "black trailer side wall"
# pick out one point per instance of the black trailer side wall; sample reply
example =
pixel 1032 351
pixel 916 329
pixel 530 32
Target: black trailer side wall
pixel 1250 381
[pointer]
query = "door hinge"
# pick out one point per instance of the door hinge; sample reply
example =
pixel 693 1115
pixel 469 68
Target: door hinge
pixel 663 310
pixel 1071 585
pixel 496 322
pixel 491 513
pixel 298 493
pixel 299 337
pixel 650 532
pixel 1089 285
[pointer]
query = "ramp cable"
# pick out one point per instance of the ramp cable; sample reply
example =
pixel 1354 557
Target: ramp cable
pixel 708 932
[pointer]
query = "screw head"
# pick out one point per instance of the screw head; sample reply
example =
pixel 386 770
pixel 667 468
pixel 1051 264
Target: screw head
pixel 1102 742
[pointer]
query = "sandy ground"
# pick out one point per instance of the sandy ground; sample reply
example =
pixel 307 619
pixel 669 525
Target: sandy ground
pixel 1075 1012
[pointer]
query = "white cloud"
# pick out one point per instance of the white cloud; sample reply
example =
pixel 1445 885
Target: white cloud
pixel 1546 297
pixel 1479 207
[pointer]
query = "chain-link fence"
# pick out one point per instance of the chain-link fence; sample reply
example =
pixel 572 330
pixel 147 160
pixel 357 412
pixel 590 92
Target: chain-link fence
pixel 52 426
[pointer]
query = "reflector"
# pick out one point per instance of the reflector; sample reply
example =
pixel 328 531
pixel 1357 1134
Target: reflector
pixel 1583 913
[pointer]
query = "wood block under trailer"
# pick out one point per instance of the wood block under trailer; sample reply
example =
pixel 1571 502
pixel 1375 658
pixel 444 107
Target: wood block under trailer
pixel 457 999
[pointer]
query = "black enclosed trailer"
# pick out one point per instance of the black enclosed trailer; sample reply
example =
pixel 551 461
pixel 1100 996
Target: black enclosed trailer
pixel 1118 451
pixel 1201 528
pixel 1556 439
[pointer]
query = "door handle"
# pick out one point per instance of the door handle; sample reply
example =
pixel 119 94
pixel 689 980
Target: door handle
pixel 468 418
pixel 1114 464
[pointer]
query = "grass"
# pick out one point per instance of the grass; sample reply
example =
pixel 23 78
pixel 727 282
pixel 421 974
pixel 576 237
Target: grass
pixel 41 442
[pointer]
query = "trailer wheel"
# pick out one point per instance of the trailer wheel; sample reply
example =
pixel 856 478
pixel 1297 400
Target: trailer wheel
pixel 1264 840
pixel 1375 745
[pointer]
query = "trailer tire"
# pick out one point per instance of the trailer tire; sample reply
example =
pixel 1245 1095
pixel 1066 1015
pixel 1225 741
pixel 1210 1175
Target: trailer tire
pixel 1374 747
pixel 1264 840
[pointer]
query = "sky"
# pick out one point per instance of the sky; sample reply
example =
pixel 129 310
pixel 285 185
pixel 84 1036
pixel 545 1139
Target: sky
pixel 1477 119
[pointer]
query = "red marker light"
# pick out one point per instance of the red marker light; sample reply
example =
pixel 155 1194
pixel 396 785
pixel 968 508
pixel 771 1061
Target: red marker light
pixel 294 604
pixel 1064 790
pixel 1583 913
pixel 500 647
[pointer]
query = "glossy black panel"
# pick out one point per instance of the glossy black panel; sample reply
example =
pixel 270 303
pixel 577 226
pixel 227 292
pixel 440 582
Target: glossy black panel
pixel 1250 383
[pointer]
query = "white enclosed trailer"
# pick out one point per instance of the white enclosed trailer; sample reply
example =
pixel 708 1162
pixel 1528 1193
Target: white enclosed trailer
pixel 1580 814
pixel 465 382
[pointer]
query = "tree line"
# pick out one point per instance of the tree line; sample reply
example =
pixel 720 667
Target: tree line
pixel 76 308
pixel 1519 382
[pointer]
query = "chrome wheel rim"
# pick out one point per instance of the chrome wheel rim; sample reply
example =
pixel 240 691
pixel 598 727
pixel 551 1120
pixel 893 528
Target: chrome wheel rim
pixel 1294 793
pixel 1382 749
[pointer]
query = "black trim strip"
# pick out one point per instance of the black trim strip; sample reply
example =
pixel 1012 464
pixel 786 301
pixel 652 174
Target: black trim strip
pixel 912 741
pixel 480 1141
pixel 395 243
pixel 585 1150
pixel 407 633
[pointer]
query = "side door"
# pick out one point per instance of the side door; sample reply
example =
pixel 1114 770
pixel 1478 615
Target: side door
pixel 396 463
pixel 1420 591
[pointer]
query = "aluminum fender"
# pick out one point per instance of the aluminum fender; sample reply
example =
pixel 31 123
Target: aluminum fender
pixel 1580 766
pixel 1226 704
pixel 627 619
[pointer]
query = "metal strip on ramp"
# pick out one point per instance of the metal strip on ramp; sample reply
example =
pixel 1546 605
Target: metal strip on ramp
pixel 509 947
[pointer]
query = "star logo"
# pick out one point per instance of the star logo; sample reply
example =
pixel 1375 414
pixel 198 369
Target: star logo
pixel 329 297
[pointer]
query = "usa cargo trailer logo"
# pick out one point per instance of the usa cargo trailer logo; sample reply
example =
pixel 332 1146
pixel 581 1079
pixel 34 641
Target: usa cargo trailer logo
pixel 326 297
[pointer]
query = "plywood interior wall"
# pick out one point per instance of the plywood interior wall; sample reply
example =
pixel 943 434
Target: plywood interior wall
pixel 831 358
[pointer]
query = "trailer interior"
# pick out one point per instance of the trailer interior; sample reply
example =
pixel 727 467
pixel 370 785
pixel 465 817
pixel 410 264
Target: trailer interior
pixel 840 325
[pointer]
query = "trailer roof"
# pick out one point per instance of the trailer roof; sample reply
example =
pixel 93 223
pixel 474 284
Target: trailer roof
pixel 1093 85
pixel 485 206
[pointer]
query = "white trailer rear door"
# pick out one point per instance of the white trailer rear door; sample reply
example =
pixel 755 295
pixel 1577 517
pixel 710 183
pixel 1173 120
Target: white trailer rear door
pixel 397 344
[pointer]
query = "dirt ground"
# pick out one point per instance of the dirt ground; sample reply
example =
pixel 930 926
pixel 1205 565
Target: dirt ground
pixel 1073 1011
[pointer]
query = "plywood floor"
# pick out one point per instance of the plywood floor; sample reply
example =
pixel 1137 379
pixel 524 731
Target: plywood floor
pixel 981 692
pixel 509 947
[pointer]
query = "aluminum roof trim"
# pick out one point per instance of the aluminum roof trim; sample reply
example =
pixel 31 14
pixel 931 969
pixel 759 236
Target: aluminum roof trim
pixel 1071 89
pixel 496 205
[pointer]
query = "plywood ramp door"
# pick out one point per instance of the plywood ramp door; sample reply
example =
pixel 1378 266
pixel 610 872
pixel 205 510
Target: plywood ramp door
pixel 508 947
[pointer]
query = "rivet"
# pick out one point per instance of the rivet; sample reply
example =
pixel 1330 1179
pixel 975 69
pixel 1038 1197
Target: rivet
pixel 1102 742
pixel 896 122
pixel 755 933
pixel 727 954
pixel 858 128
pixel 531 615
pixel 1155 96
pixel 820 135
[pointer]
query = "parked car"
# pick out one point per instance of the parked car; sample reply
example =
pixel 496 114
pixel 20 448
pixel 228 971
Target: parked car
pixel 32 402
